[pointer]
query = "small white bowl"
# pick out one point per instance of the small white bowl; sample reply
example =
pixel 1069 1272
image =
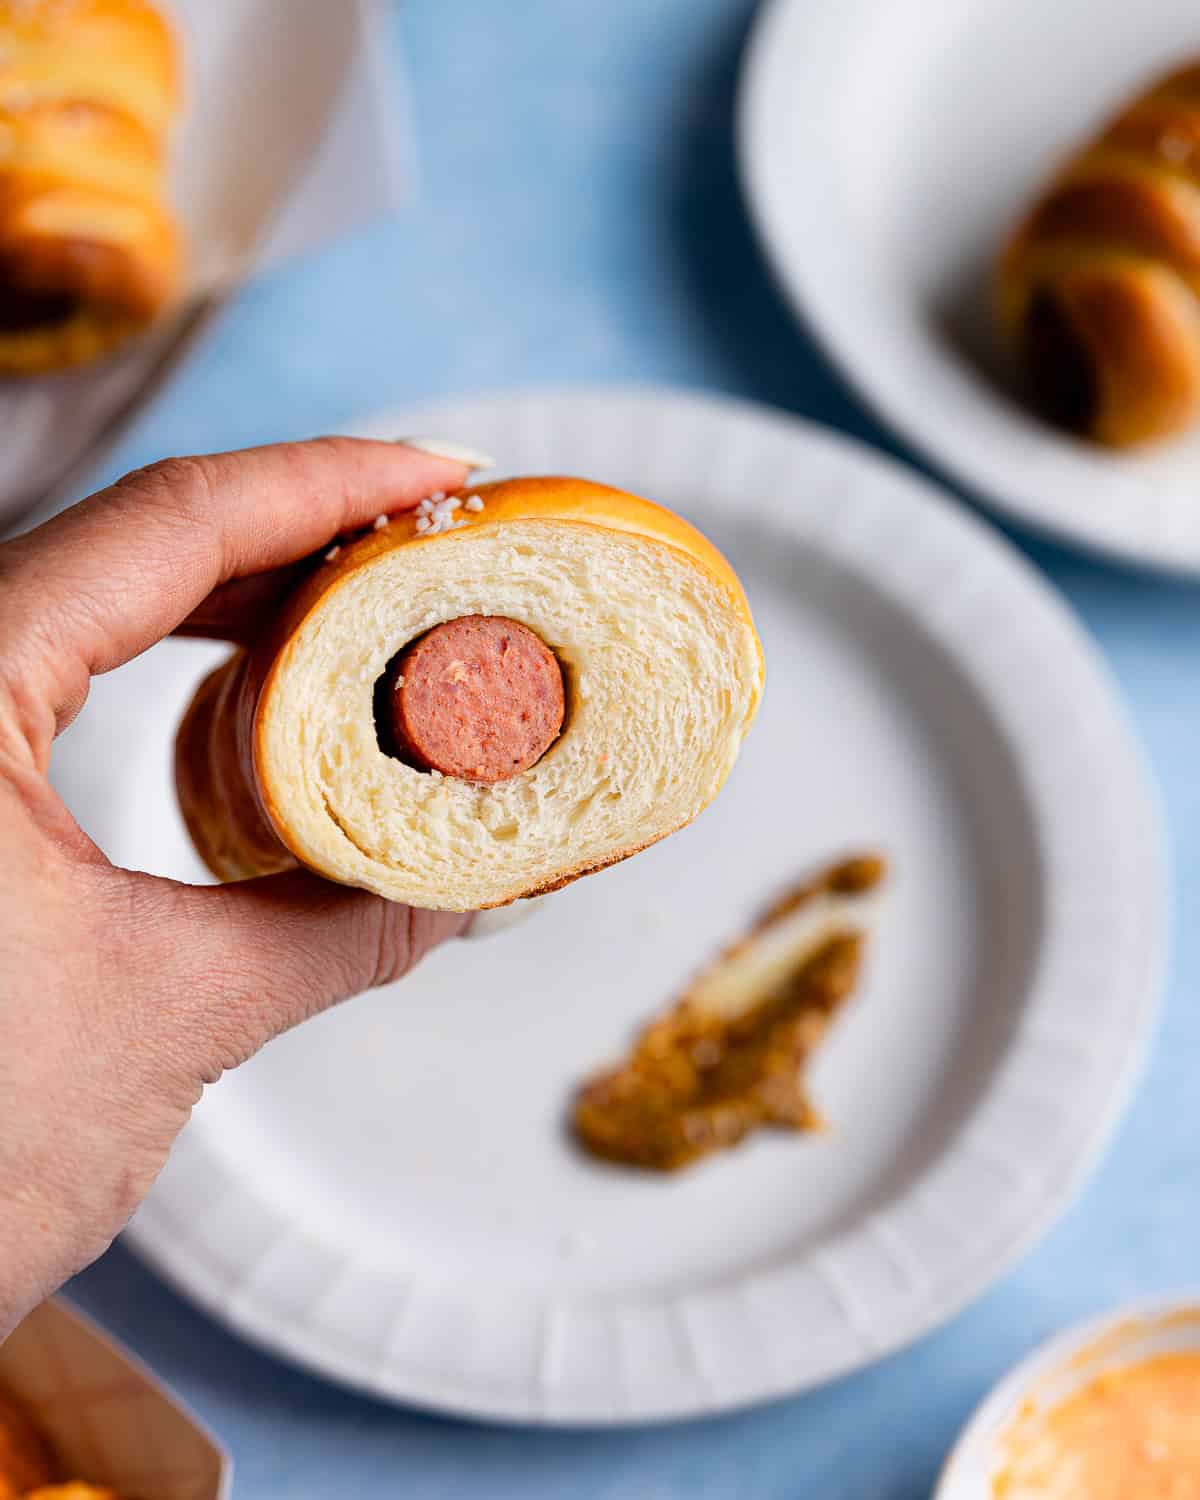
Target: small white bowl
pixel 887 148
pixel 1056 1370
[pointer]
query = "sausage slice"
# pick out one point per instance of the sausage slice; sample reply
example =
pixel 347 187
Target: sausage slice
pixel 480 698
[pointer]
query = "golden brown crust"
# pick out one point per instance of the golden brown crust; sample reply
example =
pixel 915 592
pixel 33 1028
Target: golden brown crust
pixel 218 801
pixel 544 497
pixel 228 804
pixel 74 1489
pixel 26 1461
pixel 1099 287
pixel 89 250
pixel 561 881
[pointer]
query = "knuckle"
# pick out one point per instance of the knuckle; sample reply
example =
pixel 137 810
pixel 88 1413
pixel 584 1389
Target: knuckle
pixel 407 935
pixel 395 945
pixel 184 483
pixel 319 466
pixel 330 444
pixel 332 448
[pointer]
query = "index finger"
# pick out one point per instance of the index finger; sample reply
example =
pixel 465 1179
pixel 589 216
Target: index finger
pixel 97 585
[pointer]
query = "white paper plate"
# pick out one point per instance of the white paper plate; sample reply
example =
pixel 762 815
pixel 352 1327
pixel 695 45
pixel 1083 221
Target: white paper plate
pixel 388 1194
pixel 886 147
pixel 1056 1370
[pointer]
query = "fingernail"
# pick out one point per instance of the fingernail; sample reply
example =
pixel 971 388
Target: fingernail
pixel 501 918
pixel 456 452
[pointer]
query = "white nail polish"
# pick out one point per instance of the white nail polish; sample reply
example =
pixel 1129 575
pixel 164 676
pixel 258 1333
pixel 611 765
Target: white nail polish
pixel 455 452
pixel 501 918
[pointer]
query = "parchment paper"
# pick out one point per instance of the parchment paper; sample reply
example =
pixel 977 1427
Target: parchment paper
pixel 290 137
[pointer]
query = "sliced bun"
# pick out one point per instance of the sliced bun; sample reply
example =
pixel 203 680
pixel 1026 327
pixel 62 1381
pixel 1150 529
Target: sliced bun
pixel 279 758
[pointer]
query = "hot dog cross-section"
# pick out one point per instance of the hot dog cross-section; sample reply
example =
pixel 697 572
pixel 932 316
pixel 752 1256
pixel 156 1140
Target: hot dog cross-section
pixel 480 697
pixel 458 715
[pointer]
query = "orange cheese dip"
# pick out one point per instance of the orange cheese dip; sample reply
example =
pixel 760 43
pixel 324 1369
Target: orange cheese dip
pixel 1132 1433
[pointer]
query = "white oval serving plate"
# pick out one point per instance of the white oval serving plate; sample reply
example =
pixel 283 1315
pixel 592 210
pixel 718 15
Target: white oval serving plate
pixel 887 146
pixel 388 1193
pixel 1052 1373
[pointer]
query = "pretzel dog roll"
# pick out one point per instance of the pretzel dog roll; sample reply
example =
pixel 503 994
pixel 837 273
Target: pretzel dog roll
pixel 479 702
pixel 1099 289
pixel 89 251
pixel 26 1461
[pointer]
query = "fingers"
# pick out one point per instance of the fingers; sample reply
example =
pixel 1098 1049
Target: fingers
pixel 106 579
pixel 239 610
pixel 266 954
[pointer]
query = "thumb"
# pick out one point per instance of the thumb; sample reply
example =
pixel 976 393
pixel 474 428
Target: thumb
pixel 266 954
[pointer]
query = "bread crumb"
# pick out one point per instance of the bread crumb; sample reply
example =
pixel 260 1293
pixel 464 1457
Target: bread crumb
pixel 332 553
pixel 380 522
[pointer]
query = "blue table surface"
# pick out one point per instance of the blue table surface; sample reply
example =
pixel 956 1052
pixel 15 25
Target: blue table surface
pixel 579 219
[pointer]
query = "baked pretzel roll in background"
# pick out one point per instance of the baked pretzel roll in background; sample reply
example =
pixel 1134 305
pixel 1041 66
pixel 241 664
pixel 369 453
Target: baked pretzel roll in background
pixel 480 701
pixel 1099 289
pixel 89 250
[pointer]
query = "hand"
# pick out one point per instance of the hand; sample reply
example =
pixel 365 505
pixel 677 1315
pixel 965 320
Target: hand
pixel 122 995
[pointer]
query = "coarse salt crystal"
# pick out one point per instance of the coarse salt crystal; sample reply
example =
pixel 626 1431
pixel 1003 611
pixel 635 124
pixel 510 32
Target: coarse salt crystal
pixel 332 553
pixel 380 522
pixel 437 513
